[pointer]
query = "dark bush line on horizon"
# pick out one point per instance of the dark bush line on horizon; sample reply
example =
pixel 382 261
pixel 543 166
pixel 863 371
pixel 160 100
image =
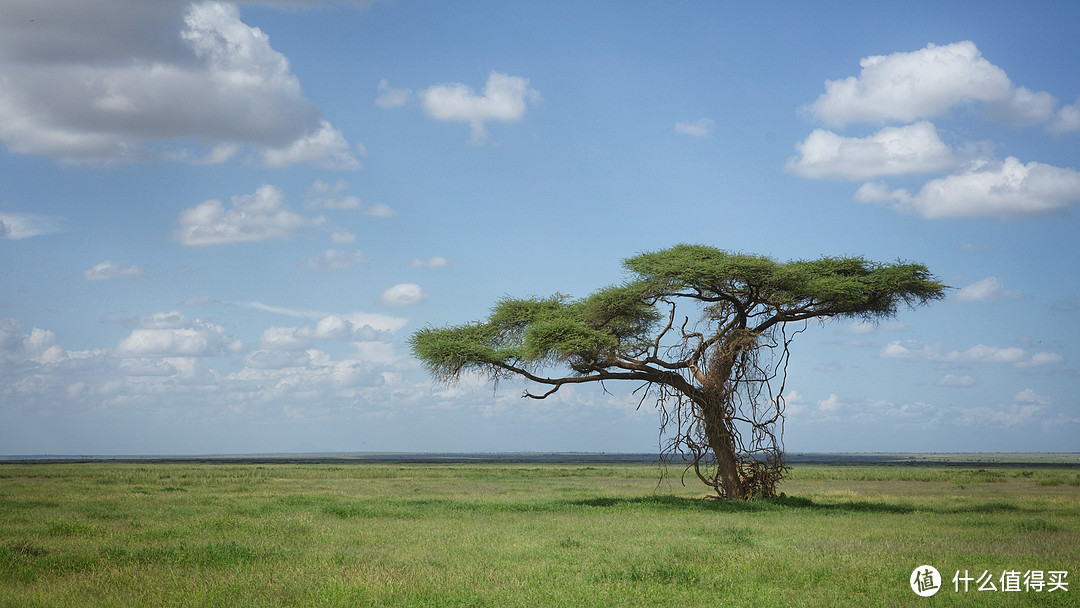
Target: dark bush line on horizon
pixel 958 460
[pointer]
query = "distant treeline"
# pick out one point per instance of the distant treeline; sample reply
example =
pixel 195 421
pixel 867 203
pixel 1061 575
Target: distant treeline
pixel 983 460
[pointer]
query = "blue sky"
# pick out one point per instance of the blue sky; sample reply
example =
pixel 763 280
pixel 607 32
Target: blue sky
pixel 220 222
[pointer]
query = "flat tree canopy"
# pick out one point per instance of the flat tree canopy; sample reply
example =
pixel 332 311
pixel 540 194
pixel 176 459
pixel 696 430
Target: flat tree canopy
pixel 704 331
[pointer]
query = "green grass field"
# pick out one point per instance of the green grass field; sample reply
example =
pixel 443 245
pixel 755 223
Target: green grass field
pixel 385 534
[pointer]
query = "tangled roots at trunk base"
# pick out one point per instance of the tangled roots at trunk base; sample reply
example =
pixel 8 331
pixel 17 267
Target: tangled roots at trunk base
pixel 731 429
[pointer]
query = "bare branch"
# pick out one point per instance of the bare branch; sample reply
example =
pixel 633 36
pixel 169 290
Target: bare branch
pixel 544 396
pixel 718 382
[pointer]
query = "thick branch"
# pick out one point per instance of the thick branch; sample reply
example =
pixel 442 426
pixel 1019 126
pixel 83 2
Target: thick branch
pixel 707 378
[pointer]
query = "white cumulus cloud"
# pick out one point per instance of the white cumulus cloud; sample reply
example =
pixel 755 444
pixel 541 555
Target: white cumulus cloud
pixel 199 339
pixel 252 217
pixel 18 226
pixel 986 290
pixel 128 79
pixel 313 375
pixel 505 99
pixel 1029 396
pixel 1004 189
pixel 910 86
pixel 1023 107
pixel 1066 120
pixel 325 148
pixel 910 349
pixel 170 363
pixel 330 327
pixel 914 87
pixel 914 148
pixel 286 338
pixel 831 404
pixel 38 348
pixel 403 294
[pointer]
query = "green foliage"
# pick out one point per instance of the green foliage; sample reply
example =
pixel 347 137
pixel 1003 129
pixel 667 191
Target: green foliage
pixel 857 287
pixel 826 287
pixel 618 322
pixel 531 332
pixel 707 269
pixel 708 373
pixel 449 351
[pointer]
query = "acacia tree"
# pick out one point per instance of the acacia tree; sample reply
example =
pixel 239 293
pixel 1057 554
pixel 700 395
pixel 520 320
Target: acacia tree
pixel 717 380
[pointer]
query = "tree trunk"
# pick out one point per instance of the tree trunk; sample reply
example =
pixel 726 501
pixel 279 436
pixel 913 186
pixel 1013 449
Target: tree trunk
pixel 714 408
pixel 722 445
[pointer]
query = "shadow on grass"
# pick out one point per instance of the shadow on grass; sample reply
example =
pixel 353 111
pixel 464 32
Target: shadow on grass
pixel 782 503
pixel 426 507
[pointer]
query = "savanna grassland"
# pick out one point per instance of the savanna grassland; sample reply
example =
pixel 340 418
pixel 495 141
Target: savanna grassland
pixel 398 534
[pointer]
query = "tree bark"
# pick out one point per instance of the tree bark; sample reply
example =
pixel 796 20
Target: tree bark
pixel 722 445
pixel 715 407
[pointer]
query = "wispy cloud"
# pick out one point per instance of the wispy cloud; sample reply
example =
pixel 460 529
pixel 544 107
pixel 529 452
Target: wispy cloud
pixel 18 226
pixel 432 262
pixel 955 381
pixel 980 353
pixel 698 128
pixel 334 259
pixel 296 313
pixel 1027 406
pixel 869 327
pixel 322 195
pixel 390 97
pixel 375 320
pixel 109 270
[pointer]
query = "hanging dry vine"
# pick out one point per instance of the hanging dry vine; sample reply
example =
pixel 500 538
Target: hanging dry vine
pixel 718 383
